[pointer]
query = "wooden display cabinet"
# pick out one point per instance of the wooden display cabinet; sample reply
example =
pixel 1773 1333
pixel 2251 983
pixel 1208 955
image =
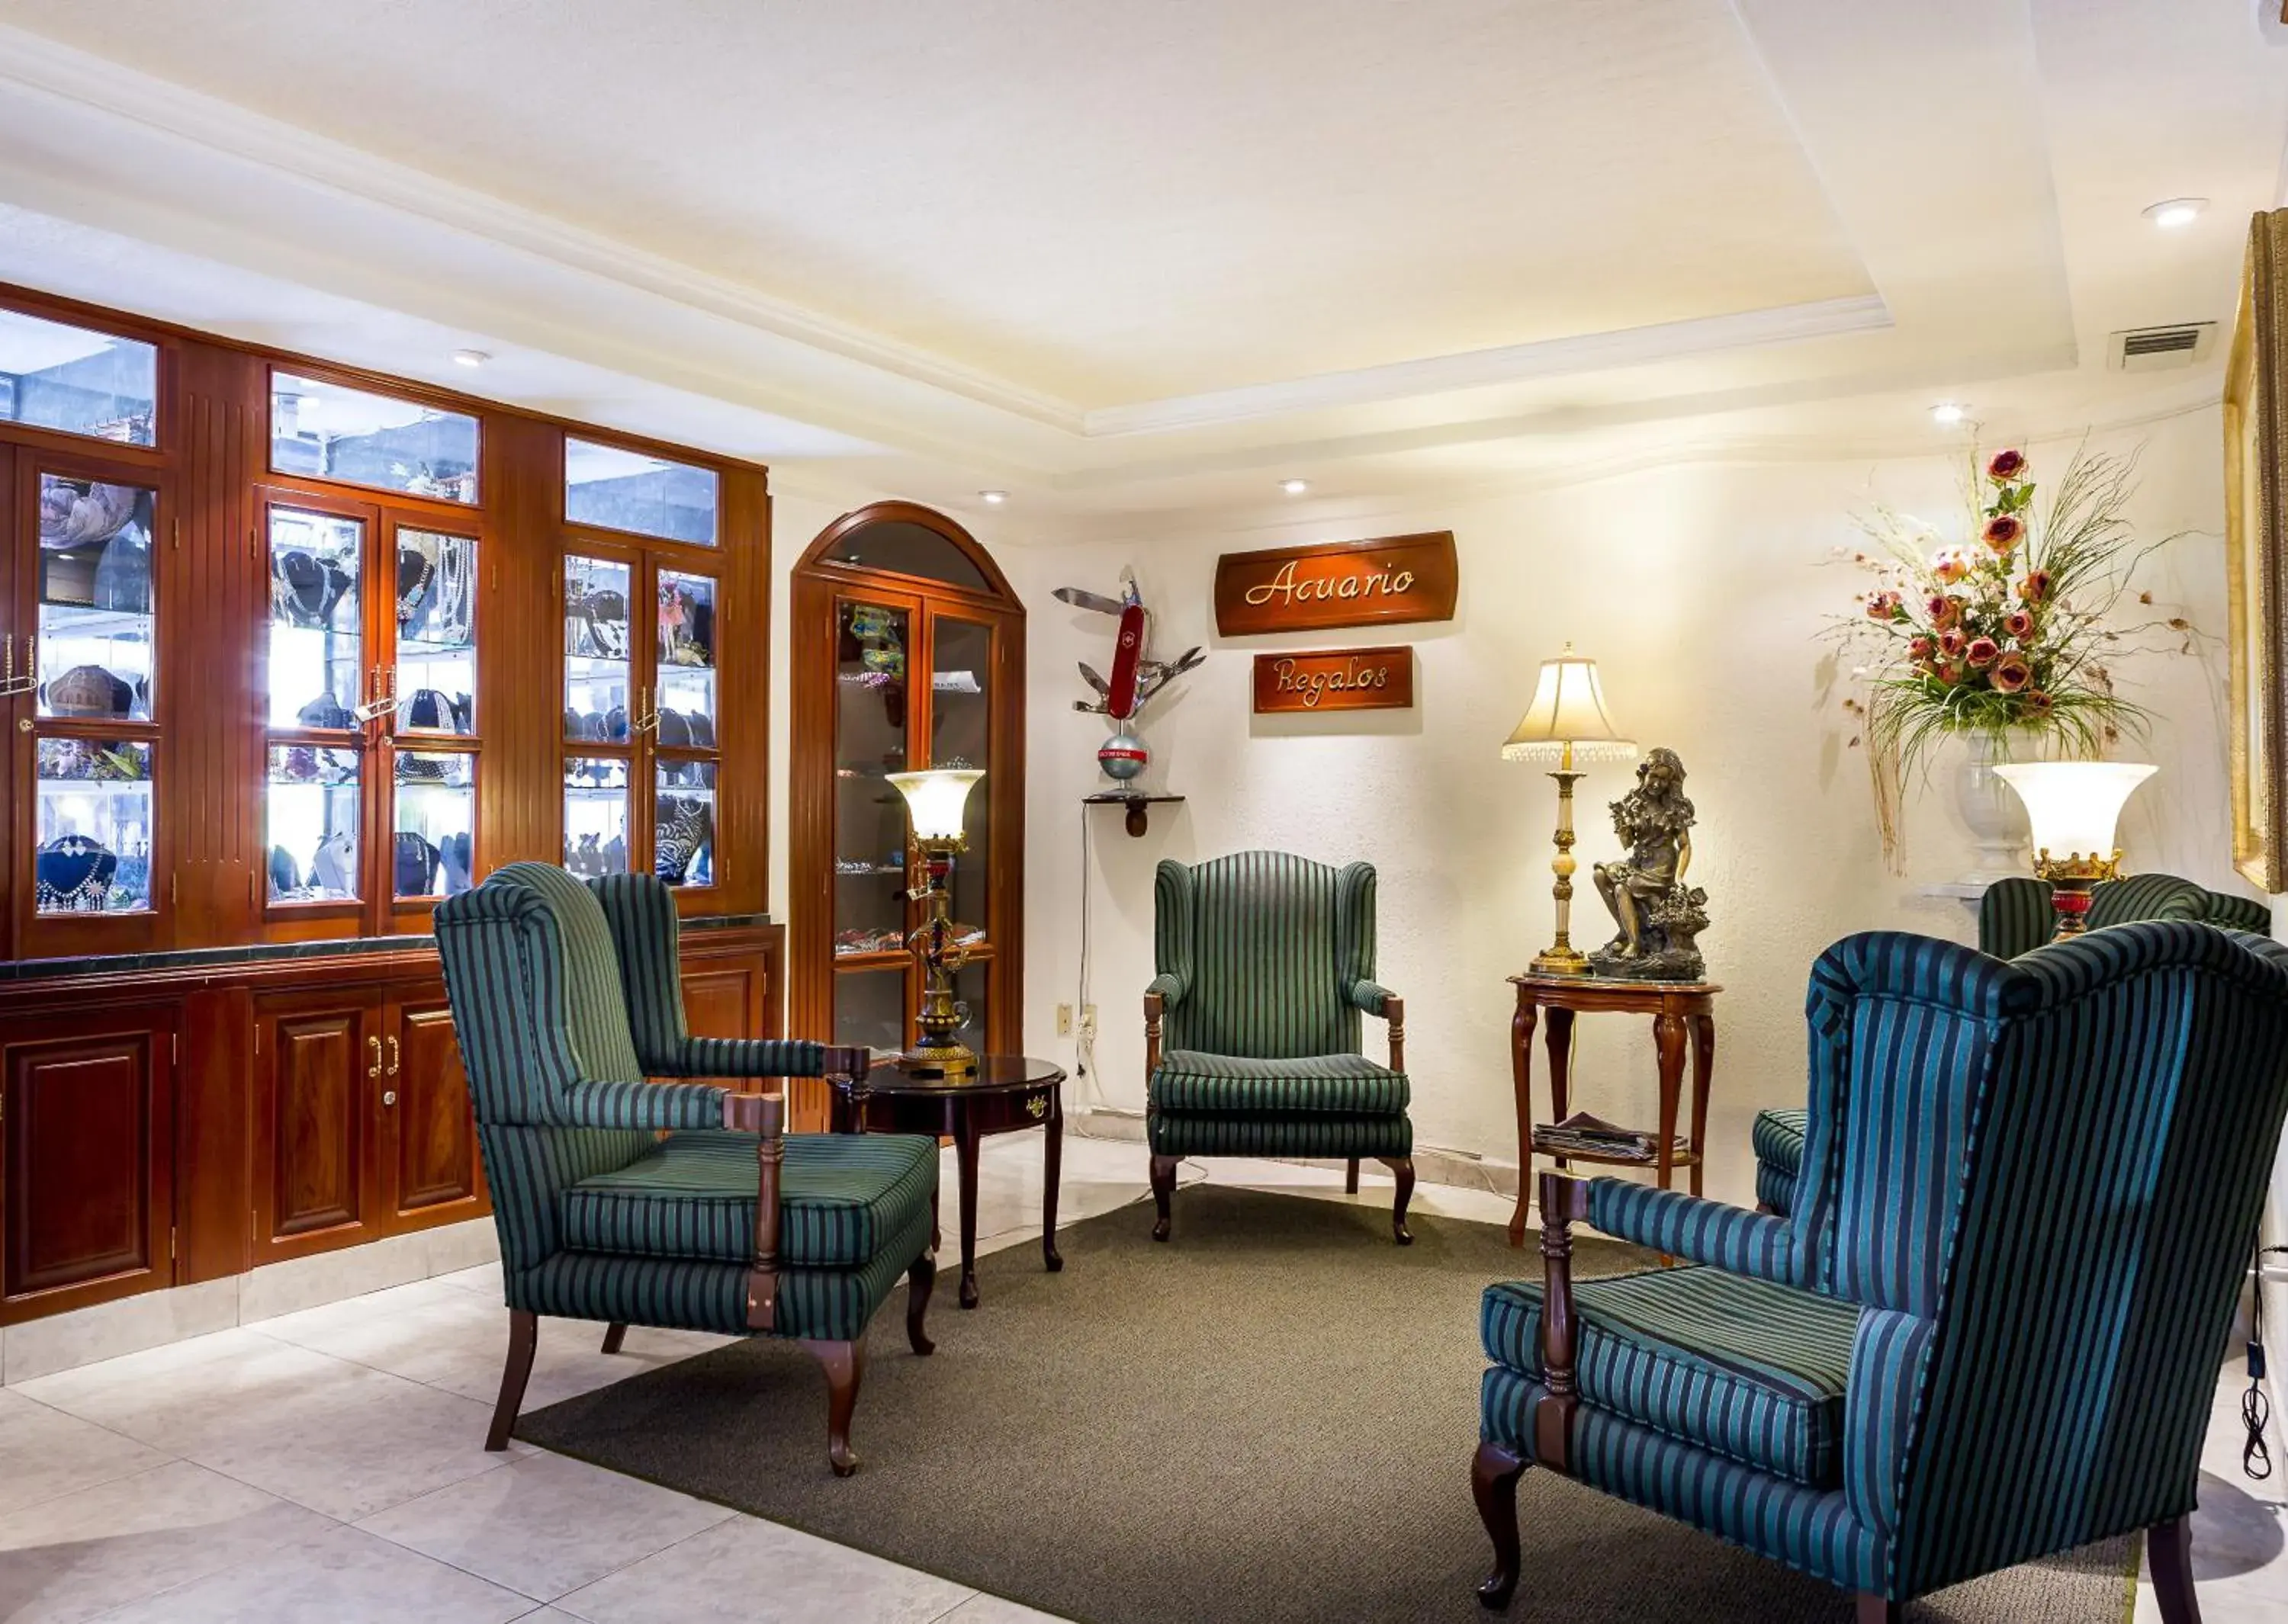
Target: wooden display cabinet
pixel 283 660
pixel 908 651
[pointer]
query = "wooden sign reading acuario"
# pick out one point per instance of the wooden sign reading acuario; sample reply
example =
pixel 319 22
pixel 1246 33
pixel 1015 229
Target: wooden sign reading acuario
pixel 1353 679
pixel 1390 581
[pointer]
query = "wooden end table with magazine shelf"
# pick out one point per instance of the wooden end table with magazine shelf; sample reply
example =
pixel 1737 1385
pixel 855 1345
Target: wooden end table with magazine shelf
pixel 1682 1012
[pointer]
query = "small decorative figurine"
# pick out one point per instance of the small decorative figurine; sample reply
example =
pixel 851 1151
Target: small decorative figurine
pixel 1660 918
pixel 1135 679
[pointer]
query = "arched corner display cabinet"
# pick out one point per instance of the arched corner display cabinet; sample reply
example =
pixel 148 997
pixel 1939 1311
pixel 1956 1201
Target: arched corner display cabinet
pixel 908 651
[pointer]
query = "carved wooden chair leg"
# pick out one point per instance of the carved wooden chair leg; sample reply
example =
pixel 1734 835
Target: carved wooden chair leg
pixel 1874 1609
pixel 1350 1177
pixel 615 1334
pixel 845 1367
pixel 1493 1481
pixel 920 1279
pixel 1163 1187
pixel 1403 1168
pixel 2169 1551
pixel 523 1337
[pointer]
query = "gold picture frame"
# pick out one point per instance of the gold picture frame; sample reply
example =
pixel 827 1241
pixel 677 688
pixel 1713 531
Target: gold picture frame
pixel 2256 544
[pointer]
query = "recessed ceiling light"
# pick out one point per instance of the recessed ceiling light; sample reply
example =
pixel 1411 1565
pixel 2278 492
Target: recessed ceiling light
pixel 1946 414
pixel 2177 212
pixel 471 358
pixel 994 498
pixel 1294 487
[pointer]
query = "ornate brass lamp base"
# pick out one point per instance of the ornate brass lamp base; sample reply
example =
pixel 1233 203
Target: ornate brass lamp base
pixel 1560 961
pixel 932 1058
pixel 937 1052
pixel 2071 880
pixel 1561 957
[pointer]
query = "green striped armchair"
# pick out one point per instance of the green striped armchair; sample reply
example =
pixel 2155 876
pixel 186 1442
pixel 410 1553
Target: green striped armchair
pixel 1266 962
pixel 2014 917
pixel 567 1001
pixel 1990 1331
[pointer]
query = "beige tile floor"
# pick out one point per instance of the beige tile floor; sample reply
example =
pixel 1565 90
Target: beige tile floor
pixel 326 1466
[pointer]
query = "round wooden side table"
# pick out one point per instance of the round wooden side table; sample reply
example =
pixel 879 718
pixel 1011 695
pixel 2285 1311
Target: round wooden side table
pixel 1008 1092
pixel 1677 1008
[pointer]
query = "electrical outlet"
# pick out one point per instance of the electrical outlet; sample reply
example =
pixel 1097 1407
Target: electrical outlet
pixel 1064 1020
pixel 1088 1019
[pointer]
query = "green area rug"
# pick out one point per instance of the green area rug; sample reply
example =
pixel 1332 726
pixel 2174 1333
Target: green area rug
pixel 1268 1419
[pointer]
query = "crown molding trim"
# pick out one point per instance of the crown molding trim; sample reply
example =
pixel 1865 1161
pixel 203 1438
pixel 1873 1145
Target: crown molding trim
pixel 1456 498
pixel 1624 347
pixel 48 67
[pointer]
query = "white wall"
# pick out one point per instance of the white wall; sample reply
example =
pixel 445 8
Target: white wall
pixel 1701 592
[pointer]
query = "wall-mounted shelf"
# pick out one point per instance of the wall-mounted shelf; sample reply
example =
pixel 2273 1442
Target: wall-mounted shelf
pixel 1139 816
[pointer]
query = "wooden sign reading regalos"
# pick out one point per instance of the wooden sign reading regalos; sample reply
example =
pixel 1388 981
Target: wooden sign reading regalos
pixel 1354 679
pixel 1387 581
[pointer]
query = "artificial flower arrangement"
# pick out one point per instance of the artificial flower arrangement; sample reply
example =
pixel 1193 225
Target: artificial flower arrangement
pixel 2008 634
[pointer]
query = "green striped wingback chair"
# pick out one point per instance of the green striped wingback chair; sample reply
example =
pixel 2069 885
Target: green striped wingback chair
pixel 2014 917
pixel 566 999
pixel 1266 962
pixel 1990 1331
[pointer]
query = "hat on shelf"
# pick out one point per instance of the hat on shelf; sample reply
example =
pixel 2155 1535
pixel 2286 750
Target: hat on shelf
pixel 429 707
pixel 90 691
pixel 325 712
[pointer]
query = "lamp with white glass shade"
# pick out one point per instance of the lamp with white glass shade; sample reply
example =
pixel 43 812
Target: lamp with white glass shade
pixel 2074 807
pixel 1566 720
pixel 934 802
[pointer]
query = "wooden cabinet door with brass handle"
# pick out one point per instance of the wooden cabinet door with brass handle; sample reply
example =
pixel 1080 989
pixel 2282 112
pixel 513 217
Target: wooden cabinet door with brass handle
pixel 319 1065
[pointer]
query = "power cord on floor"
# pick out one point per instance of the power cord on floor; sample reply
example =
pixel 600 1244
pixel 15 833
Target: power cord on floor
pixel 2255 1407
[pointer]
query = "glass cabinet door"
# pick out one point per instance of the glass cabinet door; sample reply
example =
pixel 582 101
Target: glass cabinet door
pixel 961 735
pixel 315 680
pixel 595 815
pixel 680 719
pixel 871 917
pixel 433 842
pixel 90 661
pixel 433 679
pixel 599 660
pixel 870 815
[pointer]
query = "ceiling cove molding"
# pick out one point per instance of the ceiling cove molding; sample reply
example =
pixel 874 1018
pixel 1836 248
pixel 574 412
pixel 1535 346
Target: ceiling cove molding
pixel 1456 499
pixel 1543 422
pixel 1548 358
pixel 44 66
pixel 47 67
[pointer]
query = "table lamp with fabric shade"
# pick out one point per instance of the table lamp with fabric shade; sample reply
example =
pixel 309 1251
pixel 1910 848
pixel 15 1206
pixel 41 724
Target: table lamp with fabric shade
pixel 2074 807
pixel 934 801
pixel 1566 722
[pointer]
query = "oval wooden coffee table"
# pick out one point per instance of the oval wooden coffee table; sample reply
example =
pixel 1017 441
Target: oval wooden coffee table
pixel 1008 1092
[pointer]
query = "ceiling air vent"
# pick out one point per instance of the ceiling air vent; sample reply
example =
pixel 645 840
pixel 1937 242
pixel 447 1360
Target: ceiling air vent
pixel 2155 348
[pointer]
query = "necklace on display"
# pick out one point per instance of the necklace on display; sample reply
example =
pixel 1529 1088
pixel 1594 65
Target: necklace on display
pixel 305 590
pixel 457 568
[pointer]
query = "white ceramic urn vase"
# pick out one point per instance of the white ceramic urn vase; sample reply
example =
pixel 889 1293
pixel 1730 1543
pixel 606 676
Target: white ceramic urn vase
pixel 1995 816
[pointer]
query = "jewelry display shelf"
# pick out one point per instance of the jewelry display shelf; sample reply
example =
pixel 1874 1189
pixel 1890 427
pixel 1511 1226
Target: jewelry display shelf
pixel 1139 805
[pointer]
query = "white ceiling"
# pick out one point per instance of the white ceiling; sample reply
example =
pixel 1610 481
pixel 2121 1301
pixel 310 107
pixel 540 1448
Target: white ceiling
pixel 1092 201
pixel 1126 259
